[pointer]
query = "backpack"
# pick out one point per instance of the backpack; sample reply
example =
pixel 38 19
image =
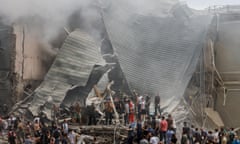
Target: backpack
pixel 231 136
pixel 56 133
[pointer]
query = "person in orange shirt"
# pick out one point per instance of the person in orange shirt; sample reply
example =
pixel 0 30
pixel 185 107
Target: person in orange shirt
pixel 131 114
pixel 163 129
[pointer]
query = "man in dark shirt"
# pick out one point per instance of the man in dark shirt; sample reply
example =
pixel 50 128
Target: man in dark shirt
pixel 147 103
pixel 91 114
pixel 186 130
pixel 170 122
pixel 157 105
pixel 197 136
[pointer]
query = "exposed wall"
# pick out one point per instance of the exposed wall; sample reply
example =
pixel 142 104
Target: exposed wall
pixel 34 54
pixel 227 50
pixel 33 59
pixel 230 111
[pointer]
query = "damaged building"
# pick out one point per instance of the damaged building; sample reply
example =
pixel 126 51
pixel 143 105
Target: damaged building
pixel 7 56
pixel 188 57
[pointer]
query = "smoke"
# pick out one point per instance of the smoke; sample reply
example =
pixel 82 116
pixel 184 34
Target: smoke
pixel 48 16
pixel 43 22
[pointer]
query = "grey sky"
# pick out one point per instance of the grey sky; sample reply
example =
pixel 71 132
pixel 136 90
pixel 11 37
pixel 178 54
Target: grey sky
pixel 202 4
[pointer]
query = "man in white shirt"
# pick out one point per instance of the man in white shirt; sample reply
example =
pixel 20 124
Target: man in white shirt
pixel 153 139
pixel 139 101
pixel 65 127
pixel 215 135
pixel 72 137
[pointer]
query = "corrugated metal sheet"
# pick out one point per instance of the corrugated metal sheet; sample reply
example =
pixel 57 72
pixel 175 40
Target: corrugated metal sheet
pixel 157 52
pixel 7 44
pixel 72 66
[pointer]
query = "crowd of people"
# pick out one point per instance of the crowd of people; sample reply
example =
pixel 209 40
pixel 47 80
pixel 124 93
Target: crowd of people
pixel 194 135
pixel 143 126
pixel 146 127
pixel 19 131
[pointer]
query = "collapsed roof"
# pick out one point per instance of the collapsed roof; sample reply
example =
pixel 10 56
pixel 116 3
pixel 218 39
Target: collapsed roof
pixel 78 58
pixel 157 51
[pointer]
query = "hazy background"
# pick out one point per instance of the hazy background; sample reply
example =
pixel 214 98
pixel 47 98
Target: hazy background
pixel 202 4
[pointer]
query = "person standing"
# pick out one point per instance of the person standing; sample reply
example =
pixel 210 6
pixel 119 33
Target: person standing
pixel 174 139
pixel 231 135
pixel 130 135
pixel 215 135
pixel 163 129
pixel 131 112
pixel 236 140
pixel 54 112
pixel 72 136
pixel 170 122
pixel 143 109
pixel 169 135
pixel 139 130
pixel 139 101
pixel 28 139
pixel 91 115
pixel 65 127
pixel 12 137
pixel 108 112
pixel 186 130
pixel 157 105
pixel 20 132
pixel 153 139
pixel 147 104
pixel 197 136
pixel 126 112
pixel 144 140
